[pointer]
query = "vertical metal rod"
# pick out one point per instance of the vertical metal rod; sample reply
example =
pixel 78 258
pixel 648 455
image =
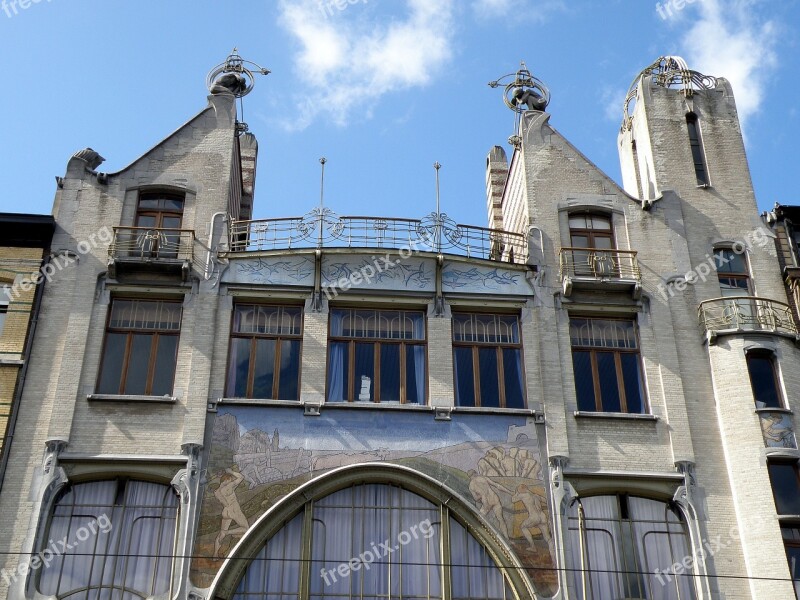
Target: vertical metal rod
pixel 322 161
pixel 438 235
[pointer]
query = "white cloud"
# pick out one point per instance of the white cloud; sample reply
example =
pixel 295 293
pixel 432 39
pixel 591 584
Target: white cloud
pixel 735 42
pixel 353 63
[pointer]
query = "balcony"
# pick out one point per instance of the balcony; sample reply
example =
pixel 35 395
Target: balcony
pixel 167 250
pixel 746 314
pixel 593 269
pixel 322 228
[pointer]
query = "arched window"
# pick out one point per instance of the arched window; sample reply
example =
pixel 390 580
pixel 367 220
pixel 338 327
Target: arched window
pixel 110 540
pixel 371 542
pixel 628 547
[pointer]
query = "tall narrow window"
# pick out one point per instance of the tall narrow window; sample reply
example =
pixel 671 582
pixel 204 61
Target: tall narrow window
pixel 696 144
pixel 607 365
pixel 141 347
pixel 5 302
pixel 264 359
pixel 161 215
pixel 764 380
pixel 592 246
pixel 119 538
pixel 377 356
pixel 785 487
pixel 791 539
pixel 733 273
pixel 626 547
pixel 487 356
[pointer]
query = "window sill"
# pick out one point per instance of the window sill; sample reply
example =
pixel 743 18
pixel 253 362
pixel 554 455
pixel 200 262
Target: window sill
pixel 259 401
pixel 11 362
pixel 784 411
pixel 582 414
pixel 495 410
pixel 132 398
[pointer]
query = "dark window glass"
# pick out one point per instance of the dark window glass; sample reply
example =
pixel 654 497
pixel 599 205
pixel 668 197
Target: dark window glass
pixel 791 537
pixel 487 359
pixel 785 487
pixel 696 145
pixel 607 365
pixel 141 348
pixel 264 359
pixel 764 380
pixel 377 355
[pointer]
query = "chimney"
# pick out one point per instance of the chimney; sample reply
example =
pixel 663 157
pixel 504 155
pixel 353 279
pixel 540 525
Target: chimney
pixel 248 148
pixel 496 175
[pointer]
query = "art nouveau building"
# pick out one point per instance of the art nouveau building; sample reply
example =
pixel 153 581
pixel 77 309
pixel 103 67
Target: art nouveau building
pixel 323 406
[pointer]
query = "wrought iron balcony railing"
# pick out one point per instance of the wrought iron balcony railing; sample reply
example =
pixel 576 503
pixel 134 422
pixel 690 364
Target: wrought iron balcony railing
pixel 746 313
pixel 152 244
pixel 322 228
pixel 594 263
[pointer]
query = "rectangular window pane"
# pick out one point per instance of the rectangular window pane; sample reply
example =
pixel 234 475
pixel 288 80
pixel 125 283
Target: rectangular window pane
pixel 729 261
pixel 364 372
pixel 513 379
pixel 390 372
pixel 164 370
pixel 634 386
pixel 763 381
pixel 793 556
pixel 584 383
pixel 113 361
pixel 289 370
pixel 264 367
pixel 603 333
pixel 786 488
pixel 609 386
pixel 490 388
pixel 153 315
pixel 416 376
pixel 465 382
pixel 138 364
pixel 338 371
pixel 267 320
pixel 238 368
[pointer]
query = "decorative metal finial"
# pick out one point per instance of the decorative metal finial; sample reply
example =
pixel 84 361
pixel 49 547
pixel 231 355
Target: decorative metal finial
pixel 235 76
pixel 322 161
pixel 525 90
pixel 437 166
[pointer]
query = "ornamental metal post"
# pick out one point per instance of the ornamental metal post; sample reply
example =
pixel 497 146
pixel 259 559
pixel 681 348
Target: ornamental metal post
pixel 322 161
pixel 438 229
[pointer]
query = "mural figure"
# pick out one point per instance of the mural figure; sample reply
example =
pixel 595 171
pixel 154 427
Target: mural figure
pixel 778 431
pixel 231 511
pixel 484 491
pixel 537 514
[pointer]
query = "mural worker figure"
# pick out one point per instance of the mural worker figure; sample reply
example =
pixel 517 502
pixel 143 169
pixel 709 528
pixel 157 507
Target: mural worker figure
pixel 231 510
pixel 537 514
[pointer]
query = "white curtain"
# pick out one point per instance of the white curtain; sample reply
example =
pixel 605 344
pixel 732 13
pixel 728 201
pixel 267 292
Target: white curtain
pixel 419 371
pixel 336 375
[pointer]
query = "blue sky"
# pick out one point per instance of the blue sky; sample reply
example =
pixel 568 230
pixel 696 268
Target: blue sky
pixel 382 88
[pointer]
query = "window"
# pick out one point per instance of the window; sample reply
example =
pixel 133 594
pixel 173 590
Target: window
pixel 120 540
pixel 791 539
pixel 164 212
pixel 377 356
pixel 141 348
pixel 608 370
pixel 264 360
pixel 785 487
pixel 487 356
pixel 733 274
pixel 625 547
pixel 764 380
pixel 5 301
pixel 592 232
pixel 354 522
pixel 696 144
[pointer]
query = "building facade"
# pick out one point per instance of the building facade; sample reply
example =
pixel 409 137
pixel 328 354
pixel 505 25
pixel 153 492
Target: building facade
pixel 591 399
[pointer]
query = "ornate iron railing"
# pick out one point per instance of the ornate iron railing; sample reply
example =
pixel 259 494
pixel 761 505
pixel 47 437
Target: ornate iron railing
pixel 322 228
pixel 746 313
pixel 149 243
pixel 594 263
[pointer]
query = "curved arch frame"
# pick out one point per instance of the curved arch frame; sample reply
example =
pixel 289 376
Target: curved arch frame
pixel 233 569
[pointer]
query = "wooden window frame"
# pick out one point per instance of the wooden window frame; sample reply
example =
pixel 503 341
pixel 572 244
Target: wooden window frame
pixel 159 213
pixel 617 352
pixel 592 233
pixel 499 346
pixel 130 332
pixel 251 371
pixel 378 343
pixel 735 275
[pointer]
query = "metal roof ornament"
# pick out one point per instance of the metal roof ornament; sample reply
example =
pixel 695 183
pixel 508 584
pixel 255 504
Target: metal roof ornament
pixel 234 76
pixel 525 92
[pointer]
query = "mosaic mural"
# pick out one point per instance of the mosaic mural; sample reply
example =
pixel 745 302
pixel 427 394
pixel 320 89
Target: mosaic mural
pixel 778 430
pixel 258 455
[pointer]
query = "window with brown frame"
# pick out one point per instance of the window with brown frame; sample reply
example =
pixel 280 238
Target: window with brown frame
pixel 733 273
pixel 607 365
pixel 163 212
pixel 591 237
pixel 264 358
pixel 487 359
pixel 764 379
pixel 785 479
pixel 791 540
pixel 377 356
pixel 141 347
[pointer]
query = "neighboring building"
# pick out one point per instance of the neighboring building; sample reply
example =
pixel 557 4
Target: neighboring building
pixel 319 406
pixel 24 246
